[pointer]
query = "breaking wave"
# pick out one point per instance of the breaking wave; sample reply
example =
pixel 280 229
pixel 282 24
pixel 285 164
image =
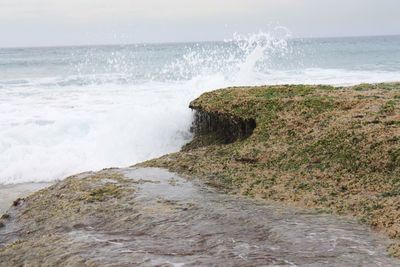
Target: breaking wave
pixel 67 110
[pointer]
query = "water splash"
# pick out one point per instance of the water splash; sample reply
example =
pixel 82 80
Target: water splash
pixel 258 48
pixel 243 59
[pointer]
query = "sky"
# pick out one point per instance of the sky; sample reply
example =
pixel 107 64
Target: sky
pixel 85 22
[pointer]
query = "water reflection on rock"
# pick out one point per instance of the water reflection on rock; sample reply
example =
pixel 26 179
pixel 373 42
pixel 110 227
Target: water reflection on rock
pixel 150 217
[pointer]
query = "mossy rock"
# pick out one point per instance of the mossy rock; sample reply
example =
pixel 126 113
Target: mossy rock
pixel 333 148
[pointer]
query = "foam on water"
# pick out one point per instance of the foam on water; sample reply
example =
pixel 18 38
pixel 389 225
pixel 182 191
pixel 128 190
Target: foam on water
pixel 64 111
pixel 50 135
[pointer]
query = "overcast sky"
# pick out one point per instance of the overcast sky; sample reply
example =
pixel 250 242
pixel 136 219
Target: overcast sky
pixel 80 22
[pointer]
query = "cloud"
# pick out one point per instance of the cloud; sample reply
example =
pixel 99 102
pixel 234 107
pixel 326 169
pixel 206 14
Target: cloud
pixel 25 22
pixel 117 9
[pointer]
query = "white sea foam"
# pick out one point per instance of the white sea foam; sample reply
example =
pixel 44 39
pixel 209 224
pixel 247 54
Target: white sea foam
pixel 45 136
pixel 55 126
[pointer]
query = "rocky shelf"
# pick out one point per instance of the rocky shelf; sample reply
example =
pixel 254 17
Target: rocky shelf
pixel 151 217
pixel 336 149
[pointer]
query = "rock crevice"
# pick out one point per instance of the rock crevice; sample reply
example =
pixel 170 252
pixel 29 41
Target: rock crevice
pixel 217 128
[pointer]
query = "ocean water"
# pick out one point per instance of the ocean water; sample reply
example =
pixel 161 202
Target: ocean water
pixel 65 110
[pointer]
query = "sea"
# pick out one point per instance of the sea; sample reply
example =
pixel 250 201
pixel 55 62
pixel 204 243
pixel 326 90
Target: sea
pixel 65 110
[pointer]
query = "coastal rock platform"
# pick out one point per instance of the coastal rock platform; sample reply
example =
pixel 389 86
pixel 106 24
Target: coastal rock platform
pixel 152 217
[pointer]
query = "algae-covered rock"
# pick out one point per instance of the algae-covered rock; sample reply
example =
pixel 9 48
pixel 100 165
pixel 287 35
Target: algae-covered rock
pixel 333 148
pixel 151 217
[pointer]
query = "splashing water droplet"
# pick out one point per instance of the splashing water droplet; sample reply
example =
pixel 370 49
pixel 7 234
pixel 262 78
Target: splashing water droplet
pixel 240 60
pixel 257 47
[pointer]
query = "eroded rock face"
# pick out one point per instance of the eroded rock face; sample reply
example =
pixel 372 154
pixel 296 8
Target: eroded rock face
pixel 228 129
pixel 150 217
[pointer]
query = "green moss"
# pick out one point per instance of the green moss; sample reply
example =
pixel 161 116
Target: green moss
pixel 394 155
pixel 392 123
pixel 380 86
pixel 316 105
pixel 337 148
pixel 286 91
pixel 107 191
pixel 393 193
pixel 388 107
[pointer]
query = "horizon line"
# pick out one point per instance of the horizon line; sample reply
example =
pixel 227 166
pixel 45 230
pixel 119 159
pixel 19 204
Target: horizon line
pixel 186 42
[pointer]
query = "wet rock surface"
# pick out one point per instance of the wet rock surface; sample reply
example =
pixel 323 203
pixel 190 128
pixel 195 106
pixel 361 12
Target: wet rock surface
pixel 151 217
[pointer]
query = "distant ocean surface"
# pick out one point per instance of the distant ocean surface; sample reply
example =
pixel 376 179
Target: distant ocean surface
pixel 71 109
